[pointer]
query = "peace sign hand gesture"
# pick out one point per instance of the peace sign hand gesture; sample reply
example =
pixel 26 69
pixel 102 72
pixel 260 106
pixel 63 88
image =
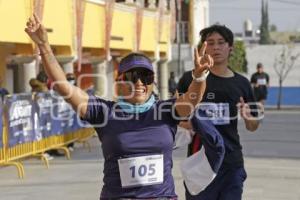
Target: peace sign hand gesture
pixel 36 30
pixel 203 62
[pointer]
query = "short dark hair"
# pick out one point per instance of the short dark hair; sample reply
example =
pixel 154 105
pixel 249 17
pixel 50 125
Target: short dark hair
pixel 259 65
pixel 70 76
pixel 225 32
pixel 42 77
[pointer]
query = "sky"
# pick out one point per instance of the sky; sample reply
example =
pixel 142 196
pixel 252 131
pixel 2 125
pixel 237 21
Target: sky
pixel 285 14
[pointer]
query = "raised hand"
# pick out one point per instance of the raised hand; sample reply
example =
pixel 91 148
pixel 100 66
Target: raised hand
pixel 202 61
pixel 36 30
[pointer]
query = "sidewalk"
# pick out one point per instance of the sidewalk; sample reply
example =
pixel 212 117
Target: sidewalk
pixel 272 179
pixel 81 178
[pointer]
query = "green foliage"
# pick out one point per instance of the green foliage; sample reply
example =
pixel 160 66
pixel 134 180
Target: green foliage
pixel 238 61
pixel 264 27
pixel 273 28
pixel 294 38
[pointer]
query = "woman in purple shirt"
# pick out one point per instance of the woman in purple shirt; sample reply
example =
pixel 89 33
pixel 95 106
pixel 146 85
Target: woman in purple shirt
pixel 136 131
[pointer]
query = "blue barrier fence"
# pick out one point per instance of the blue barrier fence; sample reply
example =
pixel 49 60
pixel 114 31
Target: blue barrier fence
pixel 34 117
pixel 290 96
pixel 20 117
pixel 35 123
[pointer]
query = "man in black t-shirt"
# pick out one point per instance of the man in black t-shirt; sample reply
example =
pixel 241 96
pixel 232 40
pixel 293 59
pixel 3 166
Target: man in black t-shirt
pixel 227 95
pixel 260 84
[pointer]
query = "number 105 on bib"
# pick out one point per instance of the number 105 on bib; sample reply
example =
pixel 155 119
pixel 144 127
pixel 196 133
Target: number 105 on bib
pixel 142 170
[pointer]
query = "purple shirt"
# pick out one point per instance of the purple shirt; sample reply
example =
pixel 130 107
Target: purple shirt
pixel 125 135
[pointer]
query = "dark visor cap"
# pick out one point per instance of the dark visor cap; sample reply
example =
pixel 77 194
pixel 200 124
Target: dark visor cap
pixel 135 61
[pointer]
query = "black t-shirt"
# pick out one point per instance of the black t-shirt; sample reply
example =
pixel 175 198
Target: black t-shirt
pixel 262 79
pixel 220 102
pixel 184 82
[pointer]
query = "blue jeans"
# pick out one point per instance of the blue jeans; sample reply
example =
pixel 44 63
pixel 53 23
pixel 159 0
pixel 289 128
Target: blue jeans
pixel 227 185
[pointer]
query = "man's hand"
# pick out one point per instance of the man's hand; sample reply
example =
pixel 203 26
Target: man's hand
pixel 245 110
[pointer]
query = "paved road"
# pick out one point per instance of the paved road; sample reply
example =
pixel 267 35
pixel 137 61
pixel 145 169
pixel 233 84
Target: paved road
pixel 80 178
pixel 272 157
pixel 278 136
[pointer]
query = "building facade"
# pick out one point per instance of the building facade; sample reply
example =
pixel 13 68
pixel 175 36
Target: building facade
pixel 88 38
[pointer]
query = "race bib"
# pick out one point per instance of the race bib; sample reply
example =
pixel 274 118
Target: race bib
pixel 262 81
pixel 218 113
pixel 142 170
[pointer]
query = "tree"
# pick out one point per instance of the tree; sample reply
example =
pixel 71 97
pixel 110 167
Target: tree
pixel 238 60
pixel 273 28
pixel 264 27
pixel 283 65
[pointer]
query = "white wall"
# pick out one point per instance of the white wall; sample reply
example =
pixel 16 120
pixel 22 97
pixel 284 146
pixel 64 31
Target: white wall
pixel 266 54
pixel 200 18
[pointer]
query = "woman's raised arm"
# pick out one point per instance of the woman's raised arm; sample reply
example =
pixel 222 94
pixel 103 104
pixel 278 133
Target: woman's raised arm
pixel 72 94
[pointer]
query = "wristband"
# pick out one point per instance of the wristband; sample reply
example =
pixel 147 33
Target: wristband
pixel 201 78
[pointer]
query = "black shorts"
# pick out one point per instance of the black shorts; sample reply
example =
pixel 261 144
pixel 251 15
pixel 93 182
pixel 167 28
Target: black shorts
pixel 260 95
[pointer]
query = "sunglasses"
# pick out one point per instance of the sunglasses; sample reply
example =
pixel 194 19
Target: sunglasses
pixel 146 77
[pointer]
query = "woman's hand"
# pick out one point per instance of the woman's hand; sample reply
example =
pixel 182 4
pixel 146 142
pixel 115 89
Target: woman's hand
pixel 186 103
pixel 186 124
pixel 202 61
pixel 36 30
